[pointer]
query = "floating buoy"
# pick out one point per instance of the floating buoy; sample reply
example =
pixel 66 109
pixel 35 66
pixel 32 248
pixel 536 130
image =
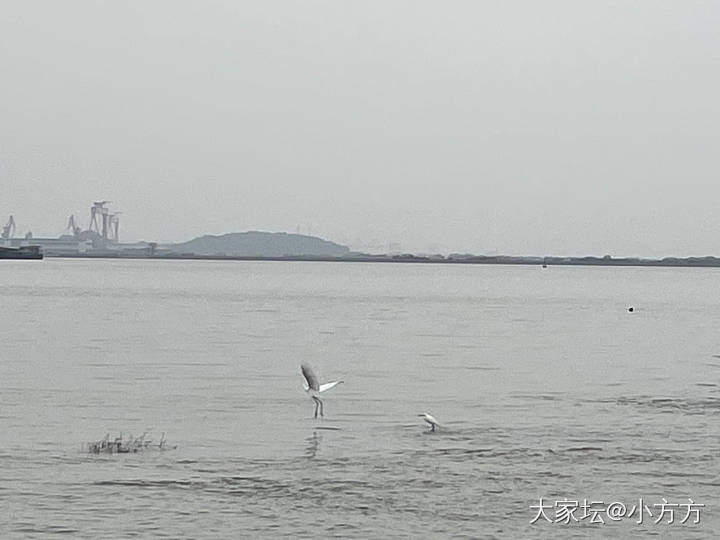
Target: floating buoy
pixel 631 309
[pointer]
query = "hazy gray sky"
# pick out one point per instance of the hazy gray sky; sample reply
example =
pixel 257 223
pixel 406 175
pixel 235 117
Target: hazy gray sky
pixel 558 127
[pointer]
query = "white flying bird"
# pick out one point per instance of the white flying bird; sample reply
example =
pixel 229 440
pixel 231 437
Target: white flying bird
pixel 430 419
pixel 313 387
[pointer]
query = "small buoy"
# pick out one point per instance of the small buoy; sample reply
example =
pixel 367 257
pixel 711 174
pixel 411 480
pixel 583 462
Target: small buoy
pixel 631 309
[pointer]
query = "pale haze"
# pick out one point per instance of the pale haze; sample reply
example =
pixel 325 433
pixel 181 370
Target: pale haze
pixel 516 127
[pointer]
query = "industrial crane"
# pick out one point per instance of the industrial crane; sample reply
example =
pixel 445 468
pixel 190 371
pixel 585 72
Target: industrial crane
pixel 9 228
pixel 99 225
pixel 114 226
pixel 72 228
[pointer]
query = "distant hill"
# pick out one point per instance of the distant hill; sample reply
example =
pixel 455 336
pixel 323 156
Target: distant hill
pixel 260 244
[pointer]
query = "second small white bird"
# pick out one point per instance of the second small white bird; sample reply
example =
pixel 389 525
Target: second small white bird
pixel 430 419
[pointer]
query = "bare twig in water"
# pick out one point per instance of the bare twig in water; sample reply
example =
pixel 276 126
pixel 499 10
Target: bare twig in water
pixel 131 445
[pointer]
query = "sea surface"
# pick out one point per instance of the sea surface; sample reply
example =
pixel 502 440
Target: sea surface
pixel 546 387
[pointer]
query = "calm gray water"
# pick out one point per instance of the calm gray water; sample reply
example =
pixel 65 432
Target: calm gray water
pixel 546 385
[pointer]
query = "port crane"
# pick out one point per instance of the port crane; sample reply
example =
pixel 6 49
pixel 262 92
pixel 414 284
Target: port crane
pixel 114 224
pixel 99 218
pixel 9 228
pixel 103 222
pixel 72 228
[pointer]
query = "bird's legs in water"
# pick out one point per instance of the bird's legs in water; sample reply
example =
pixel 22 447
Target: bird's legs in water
pixel 432 427
pixel 318 405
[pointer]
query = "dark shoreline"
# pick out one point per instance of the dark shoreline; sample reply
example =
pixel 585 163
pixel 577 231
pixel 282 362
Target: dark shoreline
pixel 672 262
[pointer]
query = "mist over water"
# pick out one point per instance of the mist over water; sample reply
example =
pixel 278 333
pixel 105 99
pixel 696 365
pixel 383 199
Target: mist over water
pixel 544 383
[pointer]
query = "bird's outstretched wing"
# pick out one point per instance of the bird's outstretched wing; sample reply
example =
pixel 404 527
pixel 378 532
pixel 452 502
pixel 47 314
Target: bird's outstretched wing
pixel 312 380
pixel 328 386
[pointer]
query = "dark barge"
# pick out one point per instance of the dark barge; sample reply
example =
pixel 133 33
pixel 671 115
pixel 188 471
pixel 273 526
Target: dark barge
pixel 22 252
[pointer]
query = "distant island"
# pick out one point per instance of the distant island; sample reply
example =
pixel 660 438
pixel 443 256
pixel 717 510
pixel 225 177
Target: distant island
pixel 260 244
